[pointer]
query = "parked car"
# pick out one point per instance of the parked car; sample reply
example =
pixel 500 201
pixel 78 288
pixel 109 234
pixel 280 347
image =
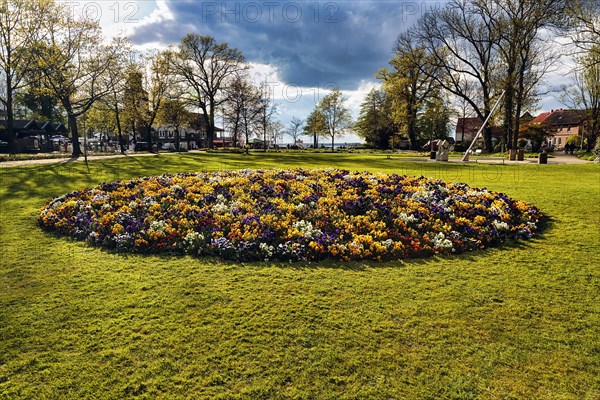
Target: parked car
pixel 31 144
pixel 3 146
pixel 169 146
pixel 141 146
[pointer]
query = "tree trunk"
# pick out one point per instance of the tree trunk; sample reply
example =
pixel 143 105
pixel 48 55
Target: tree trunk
pixel 149 138
pixel 332 143
pixel 210 128
pixel 487 137
pixel 508 115
pixel 411 130
pixel 10 117
pixel 74 134
pixel 119 130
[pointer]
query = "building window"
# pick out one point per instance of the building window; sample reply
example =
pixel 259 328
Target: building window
pixel 568 129
pixel 559 140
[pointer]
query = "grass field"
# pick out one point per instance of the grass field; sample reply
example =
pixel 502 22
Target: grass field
pixel 518 322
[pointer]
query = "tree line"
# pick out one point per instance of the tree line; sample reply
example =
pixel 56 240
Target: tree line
pixel 59 66
pixel 458 59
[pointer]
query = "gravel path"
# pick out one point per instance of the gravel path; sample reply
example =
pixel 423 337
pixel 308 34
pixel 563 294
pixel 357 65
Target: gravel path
pixel 559 158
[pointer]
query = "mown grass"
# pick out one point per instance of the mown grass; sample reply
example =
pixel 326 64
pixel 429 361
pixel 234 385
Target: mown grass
pixel 518 322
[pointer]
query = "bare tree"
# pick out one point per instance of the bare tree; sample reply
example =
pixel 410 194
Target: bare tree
pixel 276 130
pixel 337 117
pixel 585 19
pixel 526 53
pixel 266 111
pixel 206 67
pixel 294 130
pixel 462 42
pixel 242 107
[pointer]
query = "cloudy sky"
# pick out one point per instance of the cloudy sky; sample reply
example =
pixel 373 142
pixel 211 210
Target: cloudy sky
pixel 300 48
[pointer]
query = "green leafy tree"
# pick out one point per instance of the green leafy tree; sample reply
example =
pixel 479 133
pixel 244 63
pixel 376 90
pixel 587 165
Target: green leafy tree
pixel 19 29
pixel 374 123
pixel 537 133
pixel 435 119
pixel 316 125
pixel 72 60
pixel 408 84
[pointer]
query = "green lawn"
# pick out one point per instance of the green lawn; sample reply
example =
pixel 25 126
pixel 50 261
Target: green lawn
pixel 518 322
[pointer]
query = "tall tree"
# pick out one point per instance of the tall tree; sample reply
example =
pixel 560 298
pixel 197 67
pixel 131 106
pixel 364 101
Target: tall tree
pixel 173 113
pixel 525 52
pixel 464 110
pixel 19 28
pixel 134 97
pixel 266 112
pixel 156 81
pixel 72 61
pixel 294 129
pixel 435 119
pixel 315 125
pixel 242 107
pixel 584 93
pixel 337 117
pixel 462 42
pixel 375 123
pixel 206 67
pixel 115 81
pixel 585 19
pixel 409 83
pixel 276 130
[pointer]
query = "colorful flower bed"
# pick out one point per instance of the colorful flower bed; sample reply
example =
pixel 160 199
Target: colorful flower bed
pixel 290 215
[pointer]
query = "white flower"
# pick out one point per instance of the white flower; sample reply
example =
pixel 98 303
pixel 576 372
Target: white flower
pixel 422 195
pixel 219 208
pixel 500 226
pixel 306 229
pixel 407 218
pixel 266 250
pixel 158 226
pixel 440 242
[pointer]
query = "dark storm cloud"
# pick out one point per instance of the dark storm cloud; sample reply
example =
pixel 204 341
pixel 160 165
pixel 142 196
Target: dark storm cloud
pixel 311 43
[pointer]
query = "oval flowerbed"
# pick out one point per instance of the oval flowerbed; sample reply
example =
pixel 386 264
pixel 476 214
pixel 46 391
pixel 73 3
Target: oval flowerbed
pixel 290 215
